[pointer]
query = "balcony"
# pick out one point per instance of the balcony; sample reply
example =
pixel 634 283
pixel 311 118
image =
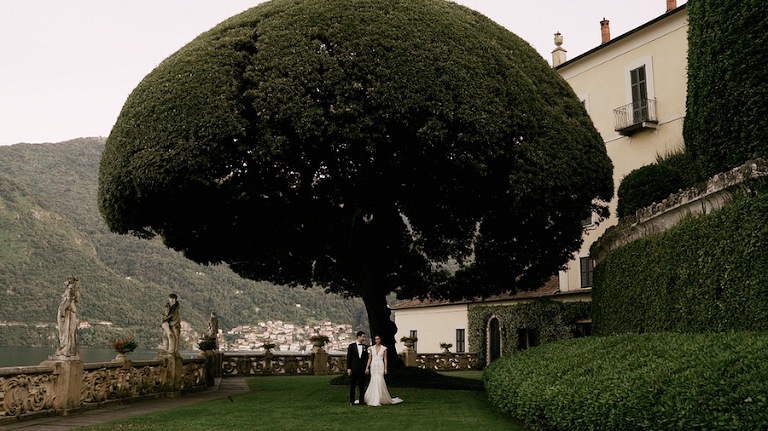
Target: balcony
pixel 632 117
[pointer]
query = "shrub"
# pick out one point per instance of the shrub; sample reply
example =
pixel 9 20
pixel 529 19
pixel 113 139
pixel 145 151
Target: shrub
pixel 654 183
pixel 207 344
pixel 649 381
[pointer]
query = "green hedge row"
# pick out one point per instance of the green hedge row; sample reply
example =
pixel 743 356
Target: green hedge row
pixel 726 121
pixel 554 320
pixel 667 381
pixel 705 274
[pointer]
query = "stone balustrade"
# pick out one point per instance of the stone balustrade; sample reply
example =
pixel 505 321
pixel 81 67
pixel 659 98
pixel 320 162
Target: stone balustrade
pixel 285 363
pixel 712 195
pixel 62 387
pixel 282 363
pixel 447 361
pixel 25 390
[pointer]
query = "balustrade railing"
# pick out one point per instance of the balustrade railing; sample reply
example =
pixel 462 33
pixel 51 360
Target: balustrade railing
pixel 27 391
pixel 111 380
pixel 282 363
pixel 447 361
pixel 285 363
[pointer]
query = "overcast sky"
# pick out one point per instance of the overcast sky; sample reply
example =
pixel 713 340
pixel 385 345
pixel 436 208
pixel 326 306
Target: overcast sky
pixel 67 66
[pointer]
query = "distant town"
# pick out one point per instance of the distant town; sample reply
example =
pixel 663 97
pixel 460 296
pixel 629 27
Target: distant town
pixel 285 336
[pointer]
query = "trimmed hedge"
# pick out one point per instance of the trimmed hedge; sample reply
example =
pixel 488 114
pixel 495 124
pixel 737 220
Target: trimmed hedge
pixel 726 120
pixel 646 185
pixel 555 321
pixel 629 382
pixel 654 183
pixel 706 274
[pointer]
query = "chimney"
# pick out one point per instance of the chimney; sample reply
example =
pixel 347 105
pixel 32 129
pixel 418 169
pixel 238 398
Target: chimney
pixel 671 4
pixel 605 30
pixel 558 54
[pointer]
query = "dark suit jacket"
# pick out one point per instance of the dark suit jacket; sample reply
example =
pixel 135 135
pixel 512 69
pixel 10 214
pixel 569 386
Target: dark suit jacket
pixel 354 362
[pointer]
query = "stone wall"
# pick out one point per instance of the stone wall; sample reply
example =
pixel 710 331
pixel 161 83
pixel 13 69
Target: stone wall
pixel 659 217
pixel 64 387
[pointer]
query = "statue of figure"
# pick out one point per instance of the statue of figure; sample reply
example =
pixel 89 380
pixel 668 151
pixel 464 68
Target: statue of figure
pixel 67 319
pixel 213 326
pixel 166 327
pixel 171 325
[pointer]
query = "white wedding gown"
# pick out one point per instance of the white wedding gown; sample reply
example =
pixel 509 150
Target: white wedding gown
pixel 377 393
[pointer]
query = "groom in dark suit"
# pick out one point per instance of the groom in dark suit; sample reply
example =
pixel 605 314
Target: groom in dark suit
pixel 357 359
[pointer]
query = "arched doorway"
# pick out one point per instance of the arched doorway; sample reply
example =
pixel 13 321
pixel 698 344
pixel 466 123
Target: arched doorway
pixel 494 339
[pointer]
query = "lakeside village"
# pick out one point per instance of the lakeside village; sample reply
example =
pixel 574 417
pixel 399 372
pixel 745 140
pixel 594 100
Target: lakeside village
pixel 285 336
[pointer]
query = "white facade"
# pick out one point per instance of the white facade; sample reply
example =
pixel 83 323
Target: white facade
pixel 434 325
pixel 602 79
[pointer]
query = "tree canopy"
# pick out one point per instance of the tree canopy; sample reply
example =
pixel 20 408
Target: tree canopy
pixel 361 145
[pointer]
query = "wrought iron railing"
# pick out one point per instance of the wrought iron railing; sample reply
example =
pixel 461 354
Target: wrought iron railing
pixel 634 116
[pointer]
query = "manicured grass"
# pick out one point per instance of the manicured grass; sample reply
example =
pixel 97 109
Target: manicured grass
pixel 312 403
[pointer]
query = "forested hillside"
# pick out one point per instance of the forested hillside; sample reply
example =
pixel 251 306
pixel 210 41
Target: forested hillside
pixel 50 228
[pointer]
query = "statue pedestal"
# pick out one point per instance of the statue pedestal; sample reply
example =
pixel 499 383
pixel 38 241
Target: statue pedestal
pixel 320 362
pixel 174 370
pixel 410 357
pixel 68 383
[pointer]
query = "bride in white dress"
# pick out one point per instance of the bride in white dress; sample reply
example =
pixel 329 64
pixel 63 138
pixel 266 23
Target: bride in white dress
pixel 377 393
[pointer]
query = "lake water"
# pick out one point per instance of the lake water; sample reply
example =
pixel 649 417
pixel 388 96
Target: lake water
pixel 26 356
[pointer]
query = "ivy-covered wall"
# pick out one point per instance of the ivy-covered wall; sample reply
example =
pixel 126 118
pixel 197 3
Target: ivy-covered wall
pixel 555 321
pixel 726 121
pixel 707 274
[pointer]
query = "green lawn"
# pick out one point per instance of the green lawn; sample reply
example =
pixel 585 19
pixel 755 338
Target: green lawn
pixel 311 403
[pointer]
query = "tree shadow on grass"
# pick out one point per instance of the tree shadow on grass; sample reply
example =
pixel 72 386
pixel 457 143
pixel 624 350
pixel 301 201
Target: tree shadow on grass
pixel 412 377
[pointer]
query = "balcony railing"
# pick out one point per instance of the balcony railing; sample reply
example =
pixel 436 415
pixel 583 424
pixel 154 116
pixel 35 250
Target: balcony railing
pixel 635 116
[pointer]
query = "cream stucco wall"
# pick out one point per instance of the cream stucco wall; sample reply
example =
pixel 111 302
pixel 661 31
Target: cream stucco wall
pixel 435 325
pixel 601 80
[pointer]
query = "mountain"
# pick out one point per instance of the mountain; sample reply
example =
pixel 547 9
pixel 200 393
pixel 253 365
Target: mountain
pixel 50 228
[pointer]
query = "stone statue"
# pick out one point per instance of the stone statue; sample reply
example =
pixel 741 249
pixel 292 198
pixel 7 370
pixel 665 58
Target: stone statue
pixel 171 325
pixel 213 326
pixel 67 319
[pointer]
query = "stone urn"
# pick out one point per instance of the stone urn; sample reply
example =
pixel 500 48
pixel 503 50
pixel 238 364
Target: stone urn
pixel 409 341
pixel 318 341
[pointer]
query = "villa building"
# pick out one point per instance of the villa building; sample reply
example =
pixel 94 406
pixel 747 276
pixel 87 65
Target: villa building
pixel 634 89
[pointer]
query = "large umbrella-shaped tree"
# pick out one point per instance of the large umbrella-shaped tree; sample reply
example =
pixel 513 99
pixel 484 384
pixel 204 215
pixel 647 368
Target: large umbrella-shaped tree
pixel 366 146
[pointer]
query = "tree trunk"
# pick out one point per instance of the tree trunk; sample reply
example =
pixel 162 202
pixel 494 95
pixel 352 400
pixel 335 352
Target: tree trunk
pixel 375 300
